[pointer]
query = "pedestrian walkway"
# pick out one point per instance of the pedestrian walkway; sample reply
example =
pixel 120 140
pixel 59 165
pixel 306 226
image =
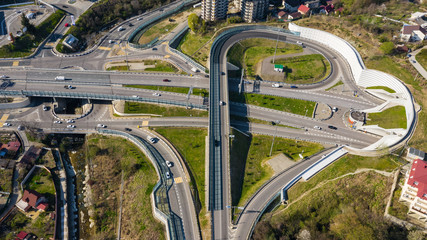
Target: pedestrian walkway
pixel 417 65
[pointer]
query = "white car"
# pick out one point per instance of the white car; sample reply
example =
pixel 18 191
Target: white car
pixel 70 121
pixel 168 175
pixel 71 126
pixel 157 94
pixel 7 124
pixel 151 139
pixel 139 19
pixel 169 164
pixel 334 109
pixel 135 96
pixel 101 126
pixel 276 85
pixel 111 41
pixel 57 121
pixel 317 127
pixel 3 76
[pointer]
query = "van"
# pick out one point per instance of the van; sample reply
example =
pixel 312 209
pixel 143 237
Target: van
pixel 59 78
pixel 276 85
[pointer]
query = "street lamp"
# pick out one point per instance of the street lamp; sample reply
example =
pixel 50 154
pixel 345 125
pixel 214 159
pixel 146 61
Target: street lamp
pixel 274 136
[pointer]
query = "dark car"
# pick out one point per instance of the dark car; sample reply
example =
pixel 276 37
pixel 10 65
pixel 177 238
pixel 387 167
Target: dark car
pixel 130 25
pixel 293 86
pixel 128 129
pixel 166 80
pixel 332 127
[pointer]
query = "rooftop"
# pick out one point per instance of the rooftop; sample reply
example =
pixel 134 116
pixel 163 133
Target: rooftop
pixel 418 178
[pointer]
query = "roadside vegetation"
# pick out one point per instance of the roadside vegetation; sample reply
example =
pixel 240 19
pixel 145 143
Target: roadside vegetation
pixel 249 53
pixel 41 182
pixel 421 57
pixel 354 209
pixel 100 164
pixel 24 45
pixel 6 180
pixel 253 171
pixel 296 106
pixel 394 117
pixel 42 226
pixel 157 31
pixel 304 69
pixel 256 120
pixel 184 90
pixel 164 111
pixel 387 89
pixel 190 143
pixel 335 85
pixel 152 66
pixel 397 208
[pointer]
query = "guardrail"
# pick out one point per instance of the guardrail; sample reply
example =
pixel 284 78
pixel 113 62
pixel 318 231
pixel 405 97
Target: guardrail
pixel 160 189
pixel 97 96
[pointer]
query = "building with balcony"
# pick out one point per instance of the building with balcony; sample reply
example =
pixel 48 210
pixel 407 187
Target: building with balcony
pixel 414 192
pixel 213 10
pixel 253 10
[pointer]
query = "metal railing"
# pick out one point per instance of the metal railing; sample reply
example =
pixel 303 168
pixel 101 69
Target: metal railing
pixel 97 96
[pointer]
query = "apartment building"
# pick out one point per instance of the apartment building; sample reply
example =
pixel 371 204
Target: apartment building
pixel 253 10
pixel 414 192
pixel 213 10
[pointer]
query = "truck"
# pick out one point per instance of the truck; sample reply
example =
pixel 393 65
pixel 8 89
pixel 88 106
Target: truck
pixel 59 78
pixel 194 69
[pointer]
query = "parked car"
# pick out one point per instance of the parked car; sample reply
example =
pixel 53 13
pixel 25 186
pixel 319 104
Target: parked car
pixel 45 108
pixel 20 128
pixel 334 109
pixel 70 121
pixel 71 126
pixel 154 49
pixel 110 41
pixel 57 122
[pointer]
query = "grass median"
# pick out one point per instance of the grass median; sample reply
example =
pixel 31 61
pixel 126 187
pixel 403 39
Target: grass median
pixel 387 89
pixel 196 91
pixel 165 111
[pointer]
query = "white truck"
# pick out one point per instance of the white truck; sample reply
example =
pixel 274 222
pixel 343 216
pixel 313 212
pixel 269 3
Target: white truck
pixel 59 78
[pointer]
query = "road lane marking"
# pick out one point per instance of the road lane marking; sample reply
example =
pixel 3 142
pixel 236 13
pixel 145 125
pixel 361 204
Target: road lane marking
pixel 51 44
pixel 178 180
pixel 167 56
pixel 144 123
pixel 15 64
pixel 4 117
pixel 105 48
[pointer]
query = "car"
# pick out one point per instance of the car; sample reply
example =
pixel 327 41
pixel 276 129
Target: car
pixel 4 76
pixel 67 25
pixel 70 121
pixel 298 42
pixel 20 128
pixel 317 127
pixel 157 94
pixel 130 25
pixel 413 61
pixel 101 126
pixel 68 87
pixel 57 122
pixel 45 108
pixel 110 41
pixel 168 175
pixel 71 126
pixel 120 29
pixel 151 139
pixel 169 164
pixel 293 86
pixel 332 127
pixel 276 85
pixel 128 129
pixel 64 6
pixel 7 124
pixel 18 11
pixel 334 109
pixel 139 19
pixel 221 103
pixel 154 49
pixel 135 96
pixel 42 6
pixel 166 80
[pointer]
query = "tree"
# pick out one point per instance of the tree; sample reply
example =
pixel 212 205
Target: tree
pixel 26 24
pixel 387 48
pixel 193 22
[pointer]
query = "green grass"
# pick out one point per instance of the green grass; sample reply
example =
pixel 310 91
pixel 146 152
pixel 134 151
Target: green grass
pixel 25 44
pixel 190 143
pixel 41 182
pixel 256 120
pixel 247 53
pixel 296 106
pixel 305 69
pixel 421 58
pixel 387 89
pixel 335 85
pixel 6 180
pixel 118 68
pixel 191 42
pixel 156 31
pixel 398 209
pixel 196 91
pixel 346 164
pixel 160 66
pixel 388 65
pixel 394 117
pixel 42 226
pixel 257 172
pixel 165 111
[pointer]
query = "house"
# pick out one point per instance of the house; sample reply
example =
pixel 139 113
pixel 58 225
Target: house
pixel 22 235
pixel 278 67
pixel 31 155
pixel 43 206
pixel 303 9
pixel 71 42
pixel 282 15
pixel 294 16
pixel 413 33
pixel 415 154
pixel 291 5
pixel 31 199
pixel 414 192
pixel 312 4
pixel 13 146
pixel 402 48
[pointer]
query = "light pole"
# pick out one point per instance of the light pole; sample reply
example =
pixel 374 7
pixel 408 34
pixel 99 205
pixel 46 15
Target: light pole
pixel 274 136
pixel 277 42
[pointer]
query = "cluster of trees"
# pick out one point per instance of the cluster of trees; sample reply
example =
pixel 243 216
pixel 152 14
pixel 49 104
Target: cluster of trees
pixel 196 23
pixel 107 12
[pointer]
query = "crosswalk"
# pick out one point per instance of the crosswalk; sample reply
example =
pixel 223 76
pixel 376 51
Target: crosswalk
pixel 178 180
pixel 3 119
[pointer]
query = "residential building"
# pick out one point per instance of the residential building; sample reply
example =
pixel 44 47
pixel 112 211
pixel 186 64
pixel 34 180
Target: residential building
pixel 238 4
pixel 214 9
pixel 282 15
pixel 71 42
pixel 414 192
pixel 254 9
pixel 415 154
pixel 303 9
pixel 294 16
pixel 312 4
pixel 413 33
pixel 30 156
pixel 291 5
pixel 32 199
pixel 22 235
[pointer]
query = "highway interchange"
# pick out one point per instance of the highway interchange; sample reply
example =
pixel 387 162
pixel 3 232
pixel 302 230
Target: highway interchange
pixel 86 73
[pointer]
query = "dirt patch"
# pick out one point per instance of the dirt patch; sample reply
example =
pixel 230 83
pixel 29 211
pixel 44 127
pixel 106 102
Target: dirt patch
pixel 279 163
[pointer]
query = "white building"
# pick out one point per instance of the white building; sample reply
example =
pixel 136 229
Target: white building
pixel 413 33
pixel 214 9
pixel 254 9
pixel 414 192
